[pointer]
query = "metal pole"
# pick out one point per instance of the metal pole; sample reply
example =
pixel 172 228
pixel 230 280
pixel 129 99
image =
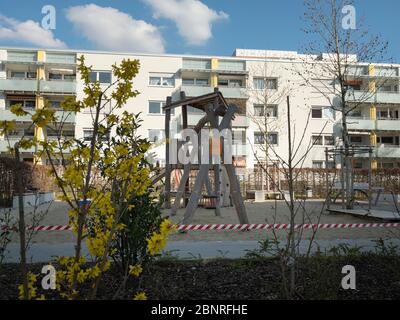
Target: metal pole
pixel 370 180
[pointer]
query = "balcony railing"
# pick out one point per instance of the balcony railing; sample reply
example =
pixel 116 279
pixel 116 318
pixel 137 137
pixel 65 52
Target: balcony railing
pixel 379 97
pixel 7 115
pixel 228 92
pixel 364 124
pixel 5 144
pixel 23 85
pixel 66 87
pixel 45 86
pixel 65 117
pixel 382 151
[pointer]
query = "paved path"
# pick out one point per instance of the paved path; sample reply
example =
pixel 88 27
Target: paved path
pixel 42 252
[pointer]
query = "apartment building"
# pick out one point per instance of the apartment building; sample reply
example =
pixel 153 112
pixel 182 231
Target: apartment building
pixel 257 81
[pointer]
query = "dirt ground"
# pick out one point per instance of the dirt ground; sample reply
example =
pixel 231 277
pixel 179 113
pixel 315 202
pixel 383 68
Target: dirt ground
pixel 317 278
pixel 266 212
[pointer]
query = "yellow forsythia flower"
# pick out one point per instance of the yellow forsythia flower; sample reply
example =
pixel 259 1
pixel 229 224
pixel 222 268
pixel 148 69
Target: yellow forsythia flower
pixel 140 296
pixel 135 270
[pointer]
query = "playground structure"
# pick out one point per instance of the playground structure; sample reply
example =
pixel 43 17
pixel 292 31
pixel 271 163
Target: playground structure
pixel 336 190
pixel 225 186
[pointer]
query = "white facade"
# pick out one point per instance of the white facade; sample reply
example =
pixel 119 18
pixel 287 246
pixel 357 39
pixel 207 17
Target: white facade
pixel 251 79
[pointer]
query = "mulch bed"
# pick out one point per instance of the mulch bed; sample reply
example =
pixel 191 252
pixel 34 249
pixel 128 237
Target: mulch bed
pixel 377 277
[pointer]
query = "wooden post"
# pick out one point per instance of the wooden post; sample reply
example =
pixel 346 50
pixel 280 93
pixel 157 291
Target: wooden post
pixel 328 189
pixel 167 151
pixel 185 126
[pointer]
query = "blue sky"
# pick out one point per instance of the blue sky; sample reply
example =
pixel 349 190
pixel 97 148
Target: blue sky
pixel 222 26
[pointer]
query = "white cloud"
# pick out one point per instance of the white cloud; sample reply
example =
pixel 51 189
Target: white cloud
pixel 29 32
pixel 193 18
pixel 110 29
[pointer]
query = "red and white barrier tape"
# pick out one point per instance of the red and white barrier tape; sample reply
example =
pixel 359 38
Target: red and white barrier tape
pixel 277 226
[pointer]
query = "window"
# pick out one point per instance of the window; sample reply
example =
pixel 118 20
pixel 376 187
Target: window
pixel 168 81
pixel 26 104
pixel 259 138
pixel 388 140
pixel 317 140
pixel 316 113
pixel 223 82
pixel 31 75
pixel 55 76
pixel 387 114
pixel 356 139
pixel 55 104
pixel 17 74
pixel 270 111
pixel 159 80
pixel 258 83
pixel 355 113
pixel 156 135
pixel 195 81
pixel 259 110
pixel 329 140
pixel 354 85
pixel 271 84
pixel 239 136
pixel 30 104
pixel 93 76
pixel 322 113
pixel 265 83
pixel 235 83
pixel 105 77
pixel 188 82
pixel 202 82
pixel 387 165
pixel 317 164
pixel 100 76
pixel 273 138
pixel 87 135
pixel 70 77
pixel 29 132
pixel 156 107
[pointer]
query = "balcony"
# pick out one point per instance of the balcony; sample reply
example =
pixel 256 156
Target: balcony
pixel 383 151
pixel 25 85
pixel 5 144
pixel 379 97
pixel 7 115
pixel 388 125
pixel 387 151
pixel 241 121
pixel 358 124
pixel 64 87
pixel 228 92
pixel 239 149
pixel 18 85
pixel 65 117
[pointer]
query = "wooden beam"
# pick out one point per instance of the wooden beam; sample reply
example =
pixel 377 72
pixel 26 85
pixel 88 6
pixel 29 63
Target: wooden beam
pixel 167 164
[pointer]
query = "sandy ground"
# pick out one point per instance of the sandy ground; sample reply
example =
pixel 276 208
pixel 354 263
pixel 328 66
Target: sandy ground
pixel 267 212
